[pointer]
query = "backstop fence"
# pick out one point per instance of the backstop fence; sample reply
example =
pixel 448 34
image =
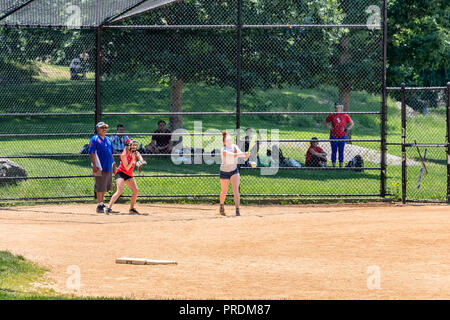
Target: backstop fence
pixel 268 72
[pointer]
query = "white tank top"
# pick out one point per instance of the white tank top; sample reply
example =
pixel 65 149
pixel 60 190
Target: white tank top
pixel 229 163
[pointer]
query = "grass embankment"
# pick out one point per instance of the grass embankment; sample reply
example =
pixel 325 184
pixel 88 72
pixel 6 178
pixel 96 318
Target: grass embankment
pixel 18 277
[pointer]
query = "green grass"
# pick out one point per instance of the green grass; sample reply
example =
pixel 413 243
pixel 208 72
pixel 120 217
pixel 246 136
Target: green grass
pixel 53 92
pixel 18 276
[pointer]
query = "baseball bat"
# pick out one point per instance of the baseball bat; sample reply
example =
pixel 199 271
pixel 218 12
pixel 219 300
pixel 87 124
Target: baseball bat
pixel 421 159
pixel 253 151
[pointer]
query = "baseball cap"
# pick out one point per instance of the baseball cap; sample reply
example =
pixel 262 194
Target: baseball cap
pixel 338 104
pixel 102 124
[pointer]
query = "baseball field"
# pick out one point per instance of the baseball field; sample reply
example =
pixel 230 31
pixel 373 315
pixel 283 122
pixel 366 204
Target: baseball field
pixel 339 251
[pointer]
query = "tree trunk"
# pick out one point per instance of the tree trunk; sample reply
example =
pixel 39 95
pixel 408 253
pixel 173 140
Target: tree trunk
pixel 345 85
pixel 176 103
pixel 345 90
pixel 344 96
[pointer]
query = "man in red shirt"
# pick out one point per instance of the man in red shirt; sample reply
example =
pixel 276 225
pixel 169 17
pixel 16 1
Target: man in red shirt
pixel 315 156
pixel 340 123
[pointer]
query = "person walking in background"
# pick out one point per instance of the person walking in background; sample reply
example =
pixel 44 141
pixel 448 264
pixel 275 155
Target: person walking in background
pixel 340 123
pixel 101 153
pixel 118 140
pixel 229 171
pixel 84 57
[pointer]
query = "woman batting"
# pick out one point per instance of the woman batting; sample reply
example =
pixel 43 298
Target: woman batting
pixel 229 171
pixel 124 174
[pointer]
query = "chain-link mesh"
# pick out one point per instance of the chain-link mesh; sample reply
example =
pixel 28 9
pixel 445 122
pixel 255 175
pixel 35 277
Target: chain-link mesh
pixel 180 63
pixel 8 5
pixel 188 13
pixel 62 13
pixel 429 182
pixel 425 124
pixel 294 12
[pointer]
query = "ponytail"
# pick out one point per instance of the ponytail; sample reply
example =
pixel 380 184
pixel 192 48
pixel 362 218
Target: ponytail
pixel 224 136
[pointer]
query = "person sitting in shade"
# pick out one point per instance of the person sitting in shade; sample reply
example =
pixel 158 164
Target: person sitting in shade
pixel 118 140
pixel 315 156
pixel 161 143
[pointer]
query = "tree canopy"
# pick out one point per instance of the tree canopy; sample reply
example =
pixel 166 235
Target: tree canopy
pixel 418 42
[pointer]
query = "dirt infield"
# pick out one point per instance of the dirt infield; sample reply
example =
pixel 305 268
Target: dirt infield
pixel 270 252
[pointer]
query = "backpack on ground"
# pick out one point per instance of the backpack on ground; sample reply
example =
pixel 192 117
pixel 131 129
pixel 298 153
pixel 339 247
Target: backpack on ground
pixel 357 162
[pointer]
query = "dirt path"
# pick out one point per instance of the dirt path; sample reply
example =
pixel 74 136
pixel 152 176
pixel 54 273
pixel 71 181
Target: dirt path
pixel 271 252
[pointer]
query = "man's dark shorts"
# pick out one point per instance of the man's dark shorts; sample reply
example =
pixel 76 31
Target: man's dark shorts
pixel 104 183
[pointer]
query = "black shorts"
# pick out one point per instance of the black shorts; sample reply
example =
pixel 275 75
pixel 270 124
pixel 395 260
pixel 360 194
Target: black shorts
pixel 227 175
pixel 124 176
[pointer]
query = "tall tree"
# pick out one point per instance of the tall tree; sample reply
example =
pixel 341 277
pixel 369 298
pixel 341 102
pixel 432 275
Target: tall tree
pixel 418 42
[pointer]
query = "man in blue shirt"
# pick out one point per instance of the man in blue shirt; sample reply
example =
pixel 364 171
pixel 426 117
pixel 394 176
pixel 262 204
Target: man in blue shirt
pixel 103 165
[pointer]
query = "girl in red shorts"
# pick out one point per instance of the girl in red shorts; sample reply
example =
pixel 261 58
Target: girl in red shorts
pixel 124 175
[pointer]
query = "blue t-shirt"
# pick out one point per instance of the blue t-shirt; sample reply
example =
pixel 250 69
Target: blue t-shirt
pixel 102 148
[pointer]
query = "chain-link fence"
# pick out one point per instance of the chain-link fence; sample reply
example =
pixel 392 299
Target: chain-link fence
pixel 273 69
pixel 420 134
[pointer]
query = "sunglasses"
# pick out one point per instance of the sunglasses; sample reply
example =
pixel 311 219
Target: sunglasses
pixel 105 128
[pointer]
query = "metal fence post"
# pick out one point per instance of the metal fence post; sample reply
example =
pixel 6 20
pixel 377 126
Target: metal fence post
pixel 238 68
pixel 98 76
pixel 383 106
pixel 403 115
pixel 448 142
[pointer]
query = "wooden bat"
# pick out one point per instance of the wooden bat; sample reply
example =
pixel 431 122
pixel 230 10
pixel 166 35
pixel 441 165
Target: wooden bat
pixel 421 159
pixel 253 151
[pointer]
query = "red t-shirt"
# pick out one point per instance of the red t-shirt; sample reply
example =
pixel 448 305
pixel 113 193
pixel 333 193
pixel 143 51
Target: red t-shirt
pixel 338 121
pixel 309 154
pixel 130 157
